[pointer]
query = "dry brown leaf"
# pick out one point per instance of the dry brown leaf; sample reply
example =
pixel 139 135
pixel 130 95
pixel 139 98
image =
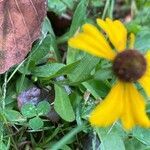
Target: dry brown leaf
pixel 20 25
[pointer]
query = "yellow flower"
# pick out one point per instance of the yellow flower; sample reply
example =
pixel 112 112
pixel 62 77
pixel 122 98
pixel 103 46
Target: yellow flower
pixel 124 102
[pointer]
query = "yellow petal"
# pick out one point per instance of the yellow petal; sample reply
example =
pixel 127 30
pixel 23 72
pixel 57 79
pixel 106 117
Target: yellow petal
pixel 97 35
pixel 93 42
pixel 137 104
pixel 127 115
pixel 145 79
pixel 110 109
pixel 132 41
pixel 116 32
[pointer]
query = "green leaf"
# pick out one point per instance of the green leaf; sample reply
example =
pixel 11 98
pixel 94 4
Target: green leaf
pixel 134 144
pixel 47 28
pixel 133 27
pixel 39 54
pixel 56 6
pixel 60 70
pixel 142 135
pixel 41 49
pixel 59 6
pixel 68 68
pixel 3 146
pixel 68 3
pixel 97 3
pixel 73 55
pixel 14 116
pixel 62 104
pixel 43 108
pixel 26 84
pixel 112 141
pixel 66 147
pixel 78 19
pixel 79 16
pixel 47 70
pixel 83 70
pixel 36 123
pixel 97 88
pixel 28 110
pixel 11 94
pixel 1 128
pixel 103 74
pixel 111 138
pixel 143 40
pixel 143 17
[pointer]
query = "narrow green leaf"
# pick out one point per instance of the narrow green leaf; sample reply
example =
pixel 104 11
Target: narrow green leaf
pixel 62 104
pixel 47 27
pixel 47 70
pixel 41 49
pixel 67 69
pixel 84 69
pixel 78 17
pixel 55 69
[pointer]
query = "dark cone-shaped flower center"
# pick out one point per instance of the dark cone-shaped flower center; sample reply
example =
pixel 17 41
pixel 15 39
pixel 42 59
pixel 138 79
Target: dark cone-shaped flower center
pixel 129 65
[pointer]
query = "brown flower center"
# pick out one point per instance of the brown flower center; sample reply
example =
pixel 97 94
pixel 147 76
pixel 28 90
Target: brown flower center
pixel 129 65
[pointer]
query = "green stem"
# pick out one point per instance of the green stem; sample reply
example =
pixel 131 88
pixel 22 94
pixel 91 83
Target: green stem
pixel 111 9
pixel 4 90
pixel 134 9
pixel 13 73
pixel 105 9
pixel 13 143
pixel 58 145
pixel 23 75
pixel 58 57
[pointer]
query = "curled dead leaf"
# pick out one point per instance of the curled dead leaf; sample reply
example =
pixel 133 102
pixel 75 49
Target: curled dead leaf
pixel 20 25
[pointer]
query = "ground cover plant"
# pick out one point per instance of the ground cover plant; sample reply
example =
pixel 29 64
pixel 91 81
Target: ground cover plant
pixel 53 77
